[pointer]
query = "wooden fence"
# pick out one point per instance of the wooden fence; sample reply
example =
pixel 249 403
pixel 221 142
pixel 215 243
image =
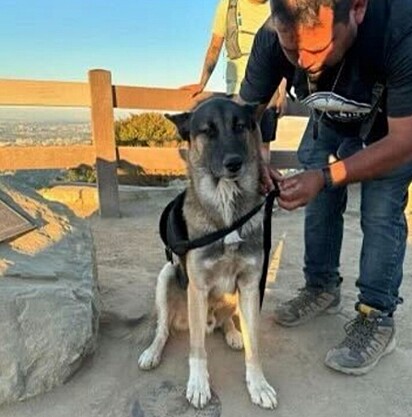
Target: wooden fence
pixel 101 97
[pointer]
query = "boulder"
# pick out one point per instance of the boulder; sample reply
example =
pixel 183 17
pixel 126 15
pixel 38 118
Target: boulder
pixel 48 296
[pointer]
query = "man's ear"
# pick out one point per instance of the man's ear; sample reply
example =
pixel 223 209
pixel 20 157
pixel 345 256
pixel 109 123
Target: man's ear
pixel 359 10
pixel 182 122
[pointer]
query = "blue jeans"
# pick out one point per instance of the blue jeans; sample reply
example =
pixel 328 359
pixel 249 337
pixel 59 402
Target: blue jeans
pixel 383 224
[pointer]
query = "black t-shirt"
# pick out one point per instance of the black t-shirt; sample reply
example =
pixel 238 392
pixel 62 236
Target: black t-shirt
pixel 381 53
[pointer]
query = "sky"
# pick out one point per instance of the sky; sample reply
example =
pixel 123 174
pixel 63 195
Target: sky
pixel 159 43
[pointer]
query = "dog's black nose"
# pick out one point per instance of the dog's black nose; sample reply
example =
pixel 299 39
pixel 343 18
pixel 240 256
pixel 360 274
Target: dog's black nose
pixel 232 163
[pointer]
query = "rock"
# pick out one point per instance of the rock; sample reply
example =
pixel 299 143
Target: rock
pixel 81 199
pixel 48 297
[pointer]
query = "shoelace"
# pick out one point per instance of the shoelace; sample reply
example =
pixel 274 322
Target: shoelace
pixel 359 332
pixel 304 299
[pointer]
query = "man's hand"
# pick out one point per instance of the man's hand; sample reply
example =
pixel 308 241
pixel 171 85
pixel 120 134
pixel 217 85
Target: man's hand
pixel 268 175
pixel 298 190
pixel 194 89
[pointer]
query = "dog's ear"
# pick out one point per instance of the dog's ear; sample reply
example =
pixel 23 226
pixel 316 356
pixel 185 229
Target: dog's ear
pixel 182 122
pixel 251 108
pixel 268 124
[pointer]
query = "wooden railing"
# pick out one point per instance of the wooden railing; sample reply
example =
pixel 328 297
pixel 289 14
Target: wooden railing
pixel 101 97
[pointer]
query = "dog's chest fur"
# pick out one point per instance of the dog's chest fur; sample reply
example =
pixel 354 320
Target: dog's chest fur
pixel 239 254
pixel 221 274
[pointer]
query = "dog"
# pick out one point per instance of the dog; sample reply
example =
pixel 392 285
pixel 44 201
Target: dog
pixel 224 164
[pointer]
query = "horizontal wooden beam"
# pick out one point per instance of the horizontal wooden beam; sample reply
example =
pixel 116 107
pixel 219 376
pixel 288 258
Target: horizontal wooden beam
pixel 152 98
pixel 44 93
pixel 148 98
pixel 46 157
pixel 77 94
pixel 154 160
pixel 284 160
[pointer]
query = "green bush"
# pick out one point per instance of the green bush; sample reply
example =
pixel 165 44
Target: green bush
pixel 84 173
pixel 146 129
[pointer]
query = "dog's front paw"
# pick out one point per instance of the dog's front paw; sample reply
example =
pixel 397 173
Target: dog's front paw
pixel 234 339
pixel 198 389
pixel 149 359
pixel 261 392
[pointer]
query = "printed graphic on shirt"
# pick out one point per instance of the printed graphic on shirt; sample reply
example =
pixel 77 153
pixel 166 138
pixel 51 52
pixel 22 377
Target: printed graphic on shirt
pixel 336 107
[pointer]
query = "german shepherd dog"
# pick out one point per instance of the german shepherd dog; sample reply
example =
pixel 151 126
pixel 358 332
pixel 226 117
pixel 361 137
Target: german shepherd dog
pixel 224 163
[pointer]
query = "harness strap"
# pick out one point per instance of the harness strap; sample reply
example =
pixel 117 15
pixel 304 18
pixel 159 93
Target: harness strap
pixel 176 238
pixel 221 233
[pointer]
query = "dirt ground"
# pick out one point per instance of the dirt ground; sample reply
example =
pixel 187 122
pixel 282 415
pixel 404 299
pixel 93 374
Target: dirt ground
pixel 130 254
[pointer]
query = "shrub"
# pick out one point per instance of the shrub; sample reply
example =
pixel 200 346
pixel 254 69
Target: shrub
pixel 83 173
pixel 146 129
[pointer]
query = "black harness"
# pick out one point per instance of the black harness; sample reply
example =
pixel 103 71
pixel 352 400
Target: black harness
pixel 173 231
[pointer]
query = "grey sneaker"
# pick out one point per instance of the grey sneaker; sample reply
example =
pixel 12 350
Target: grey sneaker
pixel 308 304
pixel 369 337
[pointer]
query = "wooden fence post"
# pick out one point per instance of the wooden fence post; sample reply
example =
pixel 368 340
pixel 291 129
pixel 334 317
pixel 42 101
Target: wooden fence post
pixel 104 141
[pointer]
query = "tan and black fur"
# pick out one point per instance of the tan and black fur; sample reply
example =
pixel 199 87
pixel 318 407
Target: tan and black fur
pixel 224 163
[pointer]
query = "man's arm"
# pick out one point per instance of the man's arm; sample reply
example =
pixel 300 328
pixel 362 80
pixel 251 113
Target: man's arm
pixel 278 100
pixel 263 82
pixel 262 78
pixel 377 159
pixel 381 157
pixel 214 48
pixel 267 175
pixel 211 58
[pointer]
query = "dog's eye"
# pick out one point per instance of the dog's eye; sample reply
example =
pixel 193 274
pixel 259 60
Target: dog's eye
pixel 209 131
pixel 240 127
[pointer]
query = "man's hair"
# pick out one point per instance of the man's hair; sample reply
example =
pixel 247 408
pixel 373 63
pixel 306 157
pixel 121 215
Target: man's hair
pixel 306 12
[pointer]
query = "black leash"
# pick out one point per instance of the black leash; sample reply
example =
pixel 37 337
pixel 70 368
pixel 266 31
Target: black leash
pixel 267 239
pixel 173 231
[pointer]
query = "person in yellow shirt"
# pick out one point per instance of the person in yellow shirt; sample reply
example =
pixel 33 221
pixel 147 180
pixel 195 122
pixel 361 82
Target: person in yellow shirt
pixel 235 24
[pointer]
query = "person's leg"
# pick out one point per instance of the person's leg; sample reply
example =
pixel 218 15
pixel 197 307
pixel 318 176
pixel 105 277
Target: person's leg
pixel 323 236
pixel 371 335
pixel 384 243
pixel 323 239
pixel 324 214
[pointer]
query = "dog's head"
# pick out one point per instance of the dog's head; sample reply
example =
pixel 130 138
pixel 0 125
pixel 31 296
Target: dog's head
pixel 224 138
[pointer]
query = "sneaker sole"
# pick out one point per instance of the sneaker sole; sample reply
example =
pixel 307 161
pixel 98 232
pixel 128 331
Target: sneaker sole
pixel 364 370
pixel 329 311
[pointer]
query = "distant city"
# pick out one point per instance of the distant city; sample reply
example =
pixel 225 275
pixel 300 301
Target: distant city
pixel 24 133
pixel 45 126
